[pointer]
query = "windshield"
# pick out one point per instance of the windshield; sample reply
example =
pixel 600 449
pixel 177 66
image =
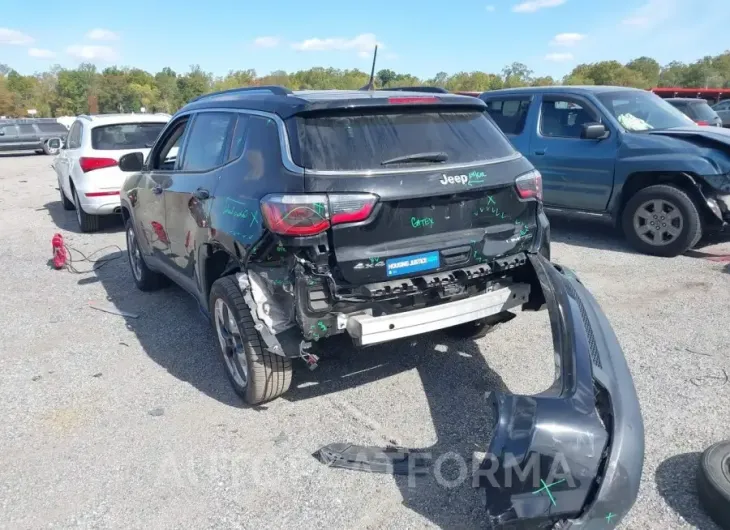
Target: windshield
pixel 643 111
pixel 413 138
pixel 702 111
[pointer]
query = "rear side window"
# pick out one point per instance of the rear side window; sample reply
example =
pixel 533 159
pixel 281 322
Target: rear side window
pixel 26 129
pixel 125 136
pixel 364 141
pixel 510 115
pixel 208 141
pixel 702 111
pixel 53 128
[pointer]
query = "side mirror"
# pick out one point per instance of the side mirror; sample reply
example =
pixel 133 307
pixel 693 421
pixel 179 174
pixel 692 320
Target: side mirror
pixel 2 132
pixel 131 162
pixel 594 131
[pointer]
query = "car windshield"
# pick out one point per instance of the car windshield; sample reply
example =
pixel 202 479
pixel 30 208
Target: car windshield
pixel 702 111
pixel 642 111
pixel 125 136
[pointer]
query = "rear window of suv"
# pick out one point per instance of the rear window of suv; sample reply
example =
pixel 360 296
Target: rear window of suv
pixel 332 142
pixel 125 136
pixel 702 111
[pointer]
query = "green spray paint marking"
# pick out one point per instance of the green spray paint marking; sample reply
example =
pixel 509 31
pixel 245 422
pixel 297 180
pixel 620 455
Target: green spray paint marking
pixel 476 178
pixel 547 487
pixel 610 516
pixel 280 248
pixel 374 260
pixel 417 223
pixel 242 237
pixel 322 325
pixel 319 209
pixel 238 210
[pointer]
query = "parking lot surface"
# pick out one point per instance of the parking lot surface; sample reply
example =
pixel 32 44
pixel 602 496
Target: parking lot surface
pixel 114 421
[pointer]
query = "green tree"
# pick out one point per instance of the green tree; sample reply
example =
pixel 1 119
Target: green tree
pixel 648 68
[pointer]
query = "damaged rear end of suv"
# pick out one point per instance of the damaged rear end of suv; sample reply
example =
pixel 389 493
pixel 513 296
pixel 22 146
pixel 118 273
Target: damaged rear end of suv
pixel 296 216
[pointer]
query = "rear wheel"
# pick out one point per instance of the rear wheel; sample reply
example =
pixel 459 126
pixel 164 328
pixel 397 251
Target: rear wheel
pixel 662 220
pixel 87 222
pixel 713 482
pixel 144 278
pixel 256 374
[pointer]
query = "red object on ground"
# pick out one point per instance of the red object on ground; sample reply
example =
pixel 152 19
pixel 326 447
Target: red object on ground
pixel 59 251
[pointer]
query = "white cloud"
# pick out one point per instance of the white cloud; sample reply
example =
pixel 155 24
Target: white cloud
pixel 651 14
pixel 535 5
pixel 567 39
pixel 363 44
pixel 15 37
pixel 266 42
pixel 559 57
pixel 491 8
pixel 40 53
pixel 102 34
pixel 92 53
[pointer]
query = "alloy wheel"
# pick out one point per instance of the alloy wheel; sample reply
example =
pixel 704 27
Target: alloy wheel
pixel 231 342
pixel 658 222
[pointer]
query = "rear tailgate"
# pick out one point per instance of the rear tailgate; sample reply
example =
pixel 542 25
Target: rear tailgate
pixel 430 215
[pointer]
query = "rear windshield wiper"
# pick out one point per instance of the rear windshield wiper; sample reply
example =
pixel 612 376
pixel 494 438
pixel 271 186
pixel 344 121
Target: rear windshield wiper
pixel 435 156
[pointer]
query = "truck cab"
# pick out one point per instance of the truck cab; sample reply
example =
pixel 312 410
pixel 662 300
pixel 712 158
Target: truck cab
pixel 623 155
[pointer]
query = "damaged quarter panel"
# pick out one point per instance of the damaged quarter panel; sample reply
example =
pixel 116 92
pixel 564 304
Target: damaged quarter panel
pixel 585 433
pixel 235 212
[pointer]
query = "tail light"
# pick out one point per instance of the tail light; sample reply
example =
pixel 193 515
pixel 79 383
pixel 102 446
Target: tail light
pixel 308 215
pixel 529 185
pixel 702 122
pixel 88 163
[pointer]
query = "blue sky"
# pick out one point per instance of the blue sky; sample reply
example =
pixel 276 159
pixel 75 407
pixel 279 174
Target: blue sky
pixel 422 38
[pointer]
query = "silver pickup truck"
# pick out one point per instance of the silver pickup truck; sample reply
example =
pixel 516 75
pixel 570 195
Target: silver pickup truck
pixel 42 135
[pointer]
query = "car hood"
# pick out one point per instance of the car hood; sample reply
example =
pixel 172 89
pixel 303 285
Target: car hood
pixel 709 143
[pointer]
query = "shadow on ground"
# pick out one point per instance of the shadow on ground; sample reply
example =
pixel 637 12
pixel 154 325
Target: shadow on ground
pixel 455 380
pixel 66 219
pixel 18 154
pixel 454 374
pixel 675 481
pixel 602 236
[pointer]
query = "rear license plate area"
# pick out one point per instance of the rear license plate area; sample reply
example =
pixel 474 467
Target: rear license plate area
pixel 401 266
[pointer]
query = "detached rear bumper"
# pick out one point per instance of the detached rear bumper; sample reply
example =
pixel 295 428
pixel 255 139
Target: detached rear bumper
pixel 572 455
pixel 584 436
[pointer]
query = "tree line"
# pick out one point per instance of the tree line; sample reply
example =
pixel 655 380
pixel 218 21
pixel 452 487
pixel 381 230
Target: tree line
pixel 86 89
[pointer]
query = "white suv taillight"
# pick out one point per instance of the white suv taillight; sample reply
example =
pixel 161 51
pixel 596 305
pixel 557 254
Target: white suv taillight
pixel 89 163
pixel 529 185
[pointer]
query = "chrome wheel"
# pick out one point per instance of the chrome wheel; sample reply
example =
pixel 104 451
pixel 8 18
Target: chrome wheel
pixel 231 341
pixel 135 256
pixel 658 222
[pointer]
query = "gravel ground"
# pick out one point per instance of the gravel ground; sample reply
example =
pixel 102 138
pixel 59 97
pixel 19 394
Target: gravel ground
pixel 115 421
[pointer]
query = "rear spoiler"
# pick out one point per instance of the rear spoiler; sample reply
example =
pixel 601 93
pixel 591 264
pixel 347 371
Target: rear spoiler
pixel 388 100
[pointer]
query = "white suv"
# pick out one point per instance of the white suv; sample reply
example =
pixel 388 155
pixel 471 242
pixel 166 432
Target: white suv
pixel 87 167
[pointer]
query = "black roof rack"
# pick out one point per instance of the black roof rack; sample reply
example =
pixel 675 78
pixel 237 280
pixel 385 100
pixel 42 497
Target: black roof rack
pixel 276 90
pixel 431 89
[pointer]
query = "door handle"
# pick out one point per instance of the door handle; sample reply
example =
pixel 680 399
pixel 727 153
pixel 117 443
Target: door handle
pixel 540 152
pixel 157 190
pixel 201 194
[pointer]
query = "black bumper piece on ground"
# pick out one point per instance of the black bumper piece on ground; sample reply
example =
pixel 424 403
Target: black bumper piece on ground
pixel 571 456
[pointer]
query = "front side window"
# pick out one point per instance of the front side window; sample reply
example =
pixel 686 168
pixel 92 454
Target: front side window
pixel 9 130
pixel 164 156
pixel 398 138
pixel 637 110
pixel 563 118
pixel 208 141
pixel 74 136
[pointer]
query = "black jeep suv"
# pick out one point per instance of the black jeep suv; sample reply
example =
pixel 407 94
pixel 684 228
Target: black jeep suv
pixel 294 216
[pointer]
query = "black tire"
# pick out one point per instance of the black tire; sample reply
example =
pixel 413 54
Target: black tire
pixel 691 224
pixel 67 205
pixel 479 328
pixel 268 375
pixel 87 222
pixel 144 278
pixel 713 483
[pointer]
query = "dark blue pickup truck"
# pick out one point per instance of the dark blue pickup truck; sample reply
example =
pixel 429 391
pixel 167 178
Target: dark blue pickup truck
pixel 623 155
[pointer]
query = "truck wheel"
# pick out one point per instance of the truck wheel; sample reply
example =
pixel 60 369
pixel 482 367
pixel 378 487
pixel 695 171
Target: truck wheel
pixel 713 483
pixel 256 374
pixel 661 220
pixel 87 223
pixel 144 278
